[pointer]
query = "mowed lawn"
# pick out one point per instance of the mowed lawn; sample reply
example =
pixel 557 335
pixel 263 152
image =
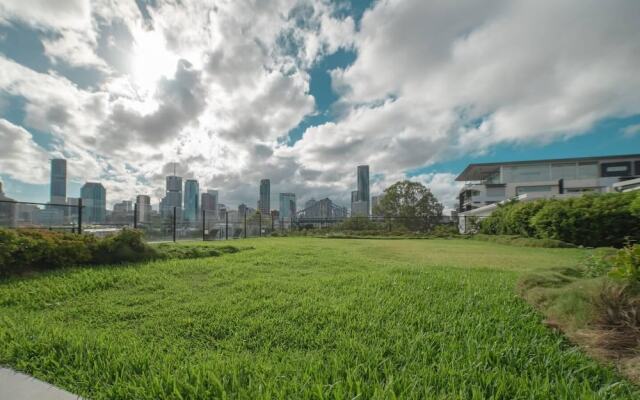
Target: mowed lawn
pixel 303 318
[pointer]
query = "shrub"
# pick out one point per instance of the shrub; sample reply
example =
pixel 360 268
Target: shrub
pixel 626 265
pixel 126 246
pixel 591 220
pixel 30 249
pixel 445 231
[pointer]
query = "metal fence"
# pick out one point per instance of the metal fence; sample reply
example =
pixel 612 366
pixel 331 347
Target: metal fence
pixel 173 224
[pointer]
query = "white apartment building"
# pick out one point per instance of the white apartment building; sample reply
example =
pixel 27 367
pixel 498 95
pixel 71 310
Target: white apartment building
pixel 491 183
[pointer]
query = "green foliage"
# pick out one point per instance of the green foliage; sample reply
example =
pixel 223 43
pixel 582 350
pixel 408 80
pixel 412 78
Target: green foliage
pixel 626 265
pixel 522 241
pixel 125 246
pixel 359 224
pixel 302 318
pixel 412 203
pixel 591 220
pixel 25 250
pixel 189 250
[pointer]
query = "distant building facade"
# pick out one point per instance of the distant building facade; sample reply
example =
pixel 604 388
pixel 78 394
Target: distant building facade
pixel 490 183
pixel 143 206
pixel 58 188
pixel 287 205
pixel 94 201
pixel 209 203
pixel 191 200
pixel 173 197
pixel 264 204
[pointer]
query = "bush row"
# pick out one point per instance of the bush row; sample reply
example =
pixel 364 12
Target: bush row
pixel 29 249
pixel 608 219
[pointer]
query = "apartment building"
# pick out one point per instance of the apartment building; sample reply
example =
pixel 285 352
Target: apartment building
pixel 491 183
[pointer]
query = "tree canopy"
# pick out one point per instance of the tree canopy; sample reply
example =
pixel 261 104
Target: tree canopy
pixel 412 204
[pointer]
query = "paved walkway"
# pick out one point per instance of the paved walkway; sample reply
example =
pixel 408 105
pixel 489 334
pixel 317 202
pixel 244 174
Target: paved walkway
pixel 18 386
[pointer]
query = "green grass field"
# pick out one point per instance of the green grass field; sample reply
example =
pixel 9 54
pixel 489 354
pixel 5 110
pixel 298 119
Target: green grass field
pixel 303 318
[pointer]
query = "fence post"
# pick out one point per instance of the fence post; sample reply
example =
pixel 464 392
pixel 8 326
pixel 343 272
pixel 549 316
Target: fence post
pixel 245 223
pixel 272 225
pixel 135 215
pixel 260 224
pixel 174 223
pixel 203 225
pixel 80 216
pixel 226 225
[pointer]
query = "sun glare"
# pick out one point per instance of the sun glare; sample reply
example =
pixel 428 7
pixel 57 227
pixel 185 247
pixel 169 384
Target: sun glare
pixel 151 60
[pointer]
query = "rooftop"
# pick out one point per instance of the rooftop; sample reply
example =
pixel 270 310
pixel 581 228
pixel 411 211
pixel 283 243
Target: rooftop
pixel 480 171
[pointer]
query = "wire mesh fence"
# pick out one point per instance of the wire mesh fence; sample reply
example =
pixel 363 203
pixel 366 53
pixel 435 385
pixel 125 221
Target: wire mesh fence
pixel 172 224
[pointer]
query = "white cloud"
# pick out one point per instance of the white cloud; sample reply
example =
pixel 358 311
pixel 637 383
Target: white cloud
pixel 20 157
pixel 47 13
pixel 631 130
pixel 76 48
pixel 217 86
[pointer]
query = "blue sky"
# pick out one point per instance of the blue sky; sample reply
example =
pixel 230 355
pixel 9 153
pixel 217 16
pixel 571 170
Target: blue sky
pixel 303 92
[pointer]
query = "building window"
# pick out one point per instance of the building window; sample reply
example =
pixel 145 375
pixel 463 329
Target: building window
pixel 582 190
pixel 532 189
pixel 622 168
pixel 637 167
pixel 563 171
pixel 587 170
pixel 526 173
pixel 496 191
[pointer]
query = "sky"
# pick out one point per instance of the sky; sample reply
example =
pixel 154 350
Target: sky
pixel 301 92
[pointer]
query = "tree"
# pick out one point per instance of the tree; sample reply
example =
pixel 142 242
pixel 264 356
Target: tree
pixel 411 204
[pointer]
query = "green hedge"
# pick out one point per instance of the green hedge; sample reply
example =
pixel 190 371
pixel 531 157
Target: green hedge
pixel 24 250
pixel 592 220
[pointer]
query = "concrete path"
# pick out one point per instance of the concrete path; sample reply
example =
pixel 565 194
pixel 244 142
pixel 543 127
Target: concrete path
pixel 18 386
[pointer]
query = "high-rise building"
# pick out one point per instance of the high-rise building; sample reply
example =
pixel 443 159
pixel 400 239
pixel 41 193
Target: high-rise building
pixel 94 201
pixel 173 197
pixel 287 205
pixel 264 204
pixel 143 205
pixel 58 181
pixel 363 185
pixel 122 212
pixel 209 203
pixel 191 199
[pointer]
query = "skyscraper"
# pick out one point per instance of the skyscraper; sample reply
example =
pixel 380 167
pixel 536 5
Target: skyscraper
pixel 264 204
pixel 173 196
pixel 58 181
pixel 363 186
pixel 94 200
pixel 287 205
pixel 191 198
pixel 143 204
pixel 209 203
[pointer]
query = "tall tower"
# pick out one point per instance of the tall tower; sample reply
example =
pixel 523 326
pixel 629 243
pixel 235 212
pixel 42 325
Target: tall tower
pixel 264 204
pixel 287 205
pixel 173 196
pixel 191 195
pixel 58 181
pixel 363 185
pixel 94 200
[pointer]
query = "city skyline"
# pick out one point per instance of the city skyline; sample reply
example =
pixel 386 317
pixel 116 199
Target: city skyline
pixel 122 91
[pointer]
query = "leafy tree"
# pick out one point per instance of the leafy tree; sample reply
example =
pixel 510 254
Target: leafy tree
pixel 411 204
